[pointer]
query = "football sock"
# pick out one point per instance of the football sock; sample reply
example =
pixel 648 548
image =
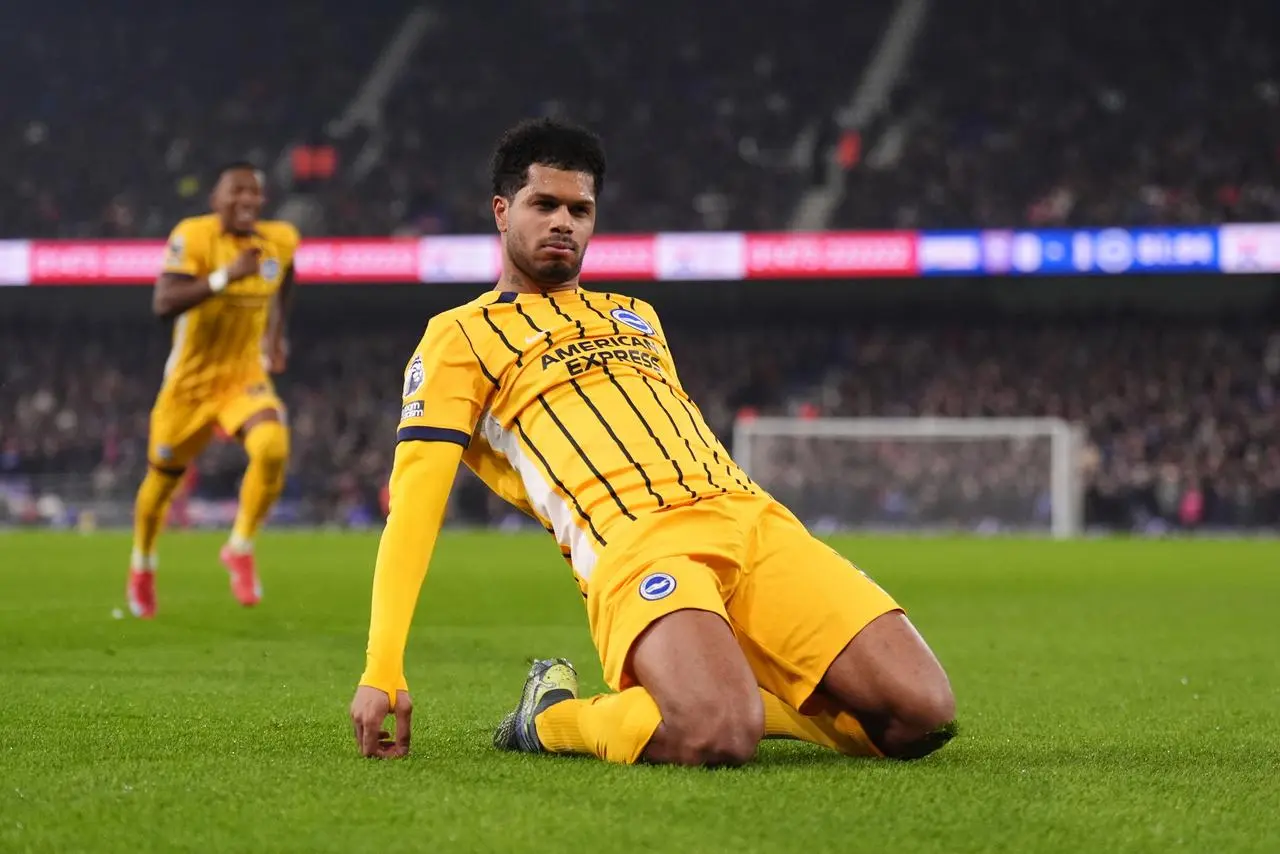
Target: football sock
pixel 613 727
pixel 617 727
pixel 149 511
pixel 268 447
pixel 840 732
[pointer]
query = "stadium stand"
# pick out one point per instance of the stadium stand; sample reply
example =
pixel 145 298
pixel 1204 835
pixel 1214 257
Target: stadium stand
pixel 139 101
pixel 1139 112
pixel 731 93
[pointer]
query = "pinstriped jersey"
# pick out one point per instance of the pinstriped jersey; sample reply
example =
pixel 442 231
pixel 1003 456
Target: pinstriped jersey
pixel 570 408
pixel 217 345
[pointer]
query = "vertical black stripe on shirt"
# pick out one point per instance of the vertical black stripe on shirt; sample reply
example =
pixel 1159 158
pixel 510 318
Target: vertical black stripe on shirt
pixel 649 429
pixel 487 375
pixel 484 310
pixel 711 445
pixel 558 483
pixel 687 444
pixel 617 330
pixel 582 330
pixel 583 455
pixel 648 484
pixel 520 311
pixel 217 348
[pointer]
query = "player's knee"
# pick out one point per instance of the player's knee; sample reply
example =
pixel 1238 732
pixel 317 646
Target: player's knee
pixel 268 443
pixel 924 720
pixel 718 734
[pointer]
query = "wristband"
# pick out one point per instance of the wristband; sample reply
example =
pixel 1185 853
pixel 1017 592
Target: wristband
pixel 217 280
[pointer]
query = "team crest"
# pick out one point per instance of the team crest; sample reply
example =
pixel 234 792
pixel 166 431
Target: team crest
pixel 414 376
pixel 657 585
pixel 270 269
pixel 630 318
pixel 174 251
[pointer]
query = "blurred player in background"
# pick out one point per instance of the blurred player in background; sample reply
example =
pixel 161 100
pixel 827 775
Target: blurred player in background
pixel 718 618
pixel 227 283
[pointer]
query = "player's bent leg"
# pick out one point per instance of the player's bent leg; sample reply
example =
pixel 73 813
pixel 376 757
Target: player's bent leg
pixel 832 644
pixel 703 708
pixel 266 441
pixel 891 682
pixel 692 666
pixel 835 730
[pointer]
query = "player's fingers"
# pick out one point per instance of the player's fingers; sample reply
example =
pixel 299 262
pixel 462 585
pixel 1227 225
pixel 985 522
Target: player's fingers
pixel 404 723
pixel 369 740
pixel 392 750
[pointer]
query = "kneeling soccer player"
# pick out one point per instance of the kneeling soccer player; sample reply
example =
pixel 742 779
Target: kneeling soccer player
pixel 718 618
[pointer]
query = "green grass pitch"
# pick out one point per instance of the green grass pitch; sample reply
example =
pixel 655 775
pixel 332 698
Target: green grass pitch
pixel 1114 696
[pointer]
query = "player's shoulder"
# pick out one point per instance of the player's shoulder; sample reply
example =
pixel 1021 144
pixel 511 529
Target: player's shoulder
pixel 487 308
pixel 279 231
pixel 453 322
pixel 192 226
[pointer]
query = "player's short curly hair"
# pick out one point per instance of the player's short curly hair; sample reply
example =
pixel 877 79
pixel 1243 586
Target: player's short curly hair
pixel 545 142
pixel 235 166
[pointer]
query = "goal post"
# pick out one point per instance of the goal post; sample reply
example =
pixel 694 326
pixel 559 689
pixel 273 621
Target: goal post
pixel 990 475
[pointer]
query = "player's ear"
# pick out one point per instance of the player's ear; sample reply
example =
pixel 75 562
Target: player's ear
pixel 501 207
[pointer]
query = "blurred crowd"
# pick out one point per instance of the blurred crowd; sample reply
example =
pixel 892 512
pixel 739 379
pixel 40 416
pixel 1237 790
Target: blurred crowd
pixel 1182 419
pixel 115 116
pixel 1137 112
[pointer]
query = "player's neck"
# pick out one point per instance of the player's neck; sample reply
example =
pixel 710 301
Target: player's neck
pixel 515 282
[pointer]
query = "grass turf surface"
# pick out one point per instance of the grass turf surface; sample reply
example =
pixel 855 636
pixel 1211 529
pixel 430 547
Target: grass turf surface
pixel 1114 695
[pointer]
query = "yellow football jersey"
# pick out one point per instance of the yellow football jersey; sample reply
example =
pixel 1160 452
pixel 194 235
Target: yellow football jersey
pixel 570 408
pixel 217 345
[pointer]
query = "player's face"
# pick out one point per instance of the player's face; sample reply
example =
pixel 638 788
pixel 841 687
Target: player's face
pixel 238 199
pixel 547 225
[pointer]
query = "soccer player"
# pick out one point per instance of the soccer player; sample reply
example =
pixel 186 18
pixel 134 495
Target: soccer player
pixel 719 620
pixel 228 280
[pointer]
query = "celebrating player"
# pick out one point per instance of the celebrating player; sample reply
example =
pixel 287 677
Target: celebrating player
pixel 718 618
pixel 227 279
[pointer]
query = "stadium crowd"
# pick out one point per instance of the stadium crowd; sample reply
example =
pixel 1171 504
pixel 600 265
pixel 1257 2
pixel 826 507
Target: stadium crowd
pixel 1139 112
pixel 1181 419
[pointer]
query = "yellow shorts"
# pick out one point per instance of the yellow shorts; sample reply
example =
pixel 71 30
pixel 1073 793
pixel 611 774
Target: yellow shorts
pixel 792 601
pixel 181 428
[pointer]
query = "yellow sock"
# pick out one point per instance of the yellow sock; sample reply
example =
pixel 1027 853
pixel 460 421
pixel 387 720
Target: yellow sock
pixel 268 447
pixel 840 732
pixel 149 511
pixel 613 727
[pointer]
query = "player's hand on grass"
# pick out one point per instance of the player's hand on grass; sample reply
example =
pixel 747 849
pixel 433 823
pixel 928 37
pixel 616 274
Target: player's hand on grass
pixel 245 264
pixel 369 711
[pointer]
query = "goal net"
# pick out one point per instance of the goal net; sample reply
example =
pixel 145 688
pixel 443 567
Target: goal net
pixel 988 475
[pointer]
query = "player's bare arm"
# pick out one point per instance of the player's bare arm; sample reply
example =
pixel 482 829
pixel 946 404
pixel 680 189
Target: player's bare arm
pixel 175 292
pixel 421 479
pixel 277 343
